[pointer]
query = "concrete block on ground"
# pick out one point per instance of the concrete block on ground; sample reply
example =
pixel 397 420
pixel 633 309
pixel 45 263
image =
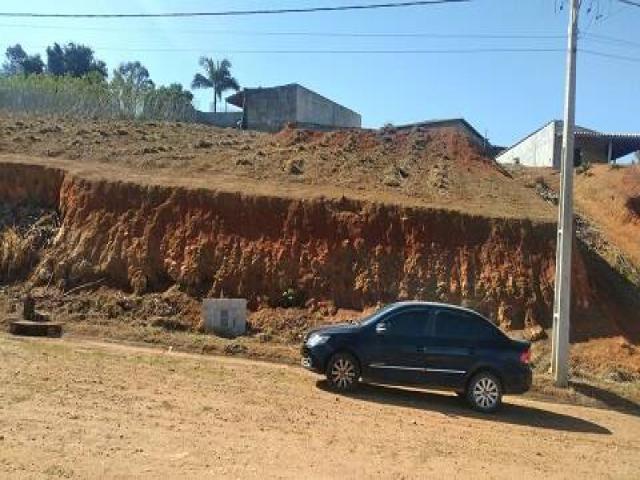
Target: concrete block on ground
pixel 225 316
pixel 35 329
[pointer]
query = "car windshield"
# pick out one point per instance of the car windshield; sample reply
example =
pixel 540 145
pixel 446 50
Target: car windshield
pixel 375 315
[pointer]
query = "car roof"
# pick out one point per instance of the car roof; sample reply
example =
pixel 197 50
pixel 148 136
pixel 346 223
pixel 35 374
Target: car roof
pixel 418 303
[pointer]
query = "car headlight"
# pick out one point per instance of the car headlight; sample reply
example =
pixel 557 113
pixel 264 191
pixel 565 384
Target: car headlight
pixel 316 339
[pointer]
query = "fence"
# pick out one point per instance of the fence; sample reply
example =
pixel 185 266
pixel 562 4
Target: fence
pixel 82 97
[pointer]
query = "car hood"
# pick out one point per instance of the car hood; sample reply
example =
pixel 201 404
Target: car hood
pixel 331 329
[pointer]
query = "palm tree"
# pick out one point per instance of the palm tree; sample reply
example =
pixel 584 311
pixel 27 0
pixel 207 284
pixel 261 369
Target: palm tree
pixel 217 76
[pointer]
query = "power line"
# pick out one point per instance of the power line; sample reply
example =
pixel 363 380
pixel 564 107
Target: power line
pixel 308 33
pixel 229 13
pixel 609 39
pixel 338 52
pixel 629 2
pixel 610 55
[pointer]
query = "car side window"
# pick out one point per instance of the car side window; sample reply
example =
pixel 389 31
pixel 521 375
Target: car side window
pixel 413 323
pixel 453 325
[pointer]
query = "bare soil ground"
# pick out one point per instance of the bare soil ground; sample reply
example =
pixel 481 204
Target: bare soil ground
pixel 440 169
pixel 609 196
pixel 86 410
pixel 410 168
pixel 606 364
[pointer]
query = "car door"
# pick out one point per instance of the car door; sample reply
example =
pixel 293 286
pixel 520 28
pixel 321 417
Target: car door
pixel 396 347
pixel 452 349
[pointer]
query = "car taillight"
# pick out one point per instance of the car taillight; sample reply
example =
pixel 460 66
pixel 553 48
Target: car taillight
pixel 525 356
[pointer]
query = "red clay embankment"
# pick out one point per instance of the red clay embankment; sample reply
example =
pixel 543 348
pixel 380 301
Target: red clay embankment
pixel 352 252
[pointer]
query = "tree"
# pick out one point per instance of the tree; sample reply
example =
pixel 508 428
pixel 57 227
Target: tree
pixel 176 91
pixel 131 82
pixel 33 64
pixel 55 60
pixel 134 74
pixel 19 63
pixel 171 103
pixel 217 76
pixel 75 60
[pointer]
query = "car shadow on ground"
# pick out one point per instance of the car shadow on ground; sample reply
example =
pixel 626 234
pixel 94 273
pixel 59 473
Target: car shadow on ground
pixel 453 406
pixel 610 399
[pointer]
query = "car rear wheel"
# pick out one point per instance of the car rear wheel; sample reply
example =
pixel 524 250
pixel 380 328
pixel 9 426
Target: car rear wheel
pixel 484 392
pixel 343 372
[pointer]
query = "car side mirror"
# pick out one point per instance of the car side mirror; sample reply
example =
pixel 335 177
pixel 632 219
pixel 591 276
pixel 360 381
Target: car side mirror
pixel 381 328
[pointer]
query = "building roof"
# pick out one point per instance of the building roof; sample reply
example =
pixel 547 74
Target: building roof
pixel 444 122
pixel 237 99
pixel 622 143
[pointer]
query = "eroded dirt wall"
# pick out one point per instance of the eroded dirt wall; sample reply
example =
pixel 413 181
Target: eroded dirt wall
pixel 30 184
pixel 354 253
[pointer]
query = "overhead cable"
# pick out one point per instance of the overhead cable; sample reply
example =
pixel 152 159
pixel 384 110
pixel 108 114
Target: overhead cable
pixel 230 13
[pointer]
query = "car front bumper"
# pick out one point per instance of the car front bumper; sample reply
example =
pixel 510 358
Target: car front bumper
pixel 315 358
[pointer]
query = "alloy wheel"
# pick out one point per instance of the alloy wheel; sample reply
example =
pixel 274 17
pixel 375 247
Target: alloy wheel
pixel 486 393
pixel 343 373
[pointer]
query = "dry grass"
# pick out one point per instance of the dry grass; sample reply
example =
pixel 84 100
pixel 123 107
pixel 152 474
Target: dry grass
pixel 436 169
pixel 608 197
pixel 16 254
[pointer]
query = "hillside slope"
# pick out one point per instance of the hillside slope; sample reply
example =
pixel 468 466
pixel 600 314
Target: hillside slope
pixel 353 217
pixel 611 198
pixel 441 169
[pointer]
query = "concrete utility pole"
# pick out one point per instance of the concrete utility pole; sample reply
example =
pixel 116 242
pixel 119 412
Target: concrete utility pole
pixel 562 299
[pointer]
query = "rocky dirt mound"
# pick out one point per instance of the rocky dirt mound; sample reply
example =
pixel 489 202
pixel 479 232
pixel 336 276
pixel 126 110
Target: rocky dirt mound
pixel 441 168
pixel 610 196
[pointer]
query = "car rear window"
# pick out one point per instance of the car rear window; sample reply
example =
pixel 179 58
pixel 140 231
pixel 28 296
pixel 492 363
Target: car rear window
pixel 451 324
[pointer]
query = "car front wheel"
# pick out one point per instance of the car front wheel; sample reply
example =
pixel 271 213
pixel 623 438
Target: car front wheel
pixel 343 372
pixel 484 392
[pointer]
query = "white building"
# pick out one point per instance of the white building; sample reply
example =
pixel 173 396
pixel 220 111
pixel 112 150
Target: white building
pixel 543 147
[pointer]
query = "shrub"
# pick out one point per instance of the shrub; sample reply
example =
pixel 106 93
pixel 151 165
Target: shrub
pixel 292 298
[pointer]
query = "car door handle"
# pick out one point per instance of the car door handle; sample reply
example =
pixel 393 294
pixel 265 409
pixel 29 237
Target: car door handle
pixel 423 349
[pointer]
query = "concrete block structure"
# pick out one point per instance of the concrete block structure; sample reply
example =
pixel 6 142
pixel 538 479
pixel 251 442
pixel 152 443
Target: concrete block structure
pixel 543 148
pixel 270 109
pixel 225 316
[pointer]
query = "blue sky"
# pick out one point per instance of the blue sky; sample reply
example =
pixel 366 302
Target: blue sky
pixel 505 94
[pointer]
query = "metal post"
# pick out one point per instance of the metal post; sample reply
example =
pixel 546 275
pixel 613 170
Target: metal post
pixel 610 153
pixel 562 300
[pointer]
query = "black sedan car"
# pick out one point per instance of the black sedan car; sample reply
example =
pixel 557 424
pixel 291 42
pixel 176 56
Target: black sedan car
pixel 422 344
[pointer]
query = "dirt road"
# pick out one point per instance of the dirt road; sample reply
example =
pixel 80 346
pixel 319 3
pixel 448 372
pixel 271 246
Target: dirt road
pixel 71 409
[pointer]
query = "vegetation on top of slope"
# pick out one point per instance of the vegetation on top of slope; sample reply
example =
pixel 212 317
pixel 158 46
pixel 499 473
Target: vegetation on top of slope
pixel 440 169
pixel 91 97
